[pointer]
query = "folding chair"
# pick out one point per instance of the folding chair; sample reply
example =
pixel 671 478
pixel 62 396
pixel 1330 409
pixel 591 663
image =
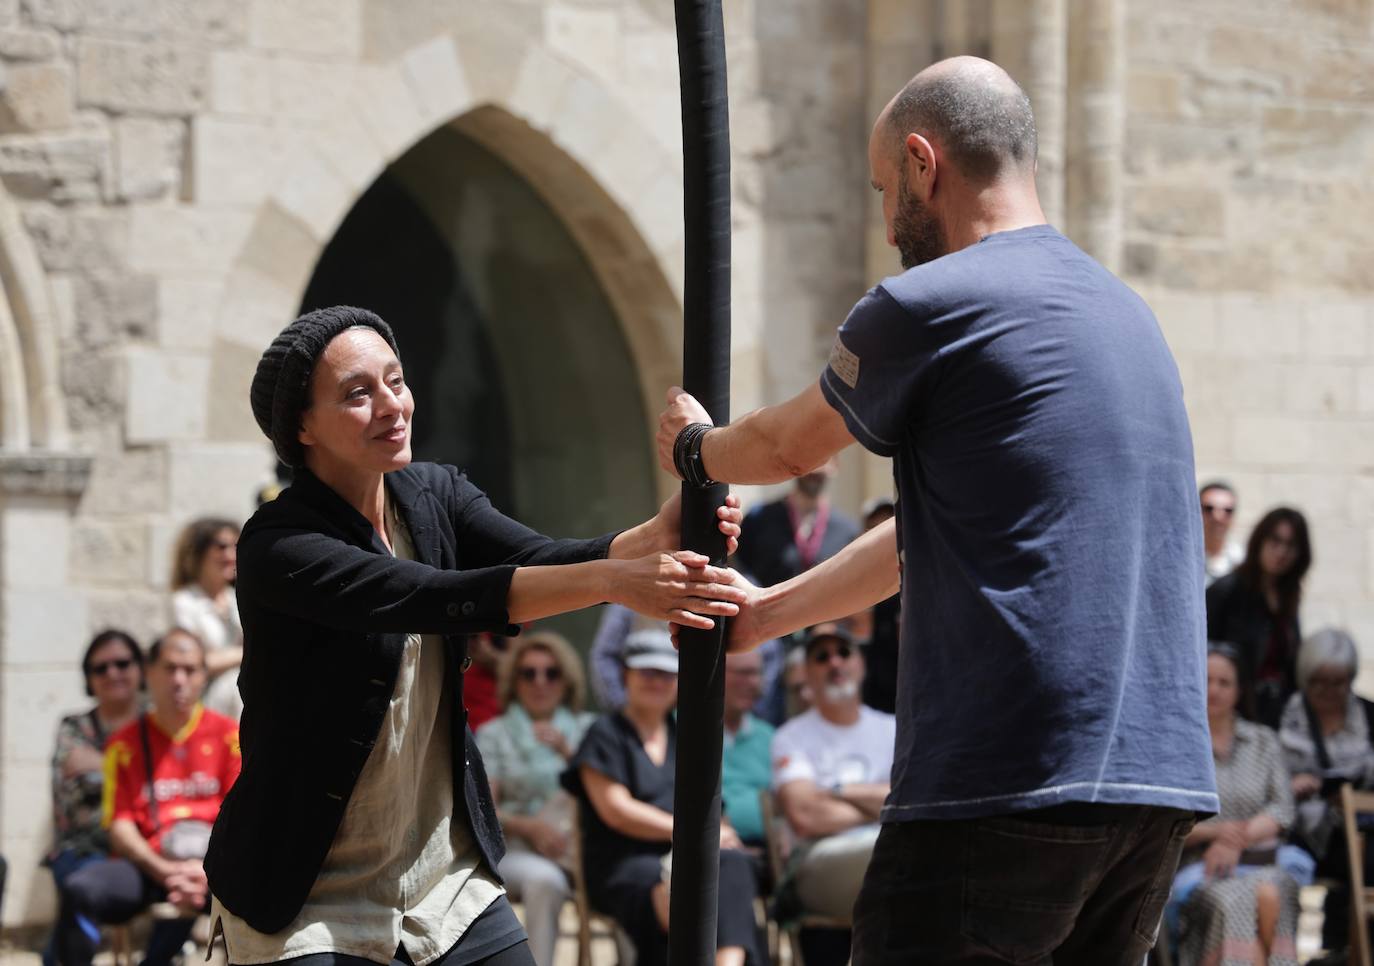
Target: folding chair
pixel 590 923
pixel 1353 805
pixel 778 842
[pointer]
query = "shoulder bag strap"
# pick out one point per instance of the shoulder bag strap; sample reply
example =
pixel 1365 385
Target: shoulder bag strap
pixel 148 766
pixel 1318 742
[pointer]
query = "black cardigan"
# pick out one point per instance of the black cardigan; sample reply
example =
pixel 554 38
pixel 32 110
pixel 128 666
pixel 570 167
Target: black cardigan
pixel 326 611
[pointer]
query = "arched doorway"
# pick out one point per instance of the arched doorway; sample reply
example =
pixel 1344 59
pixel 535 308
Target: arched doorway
pixel 519 364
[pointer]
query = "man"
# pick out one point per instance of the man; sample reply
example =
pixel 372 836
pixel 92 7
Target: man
pixel 1052 746
pixel 745 768
pixel 166 775
pixel 1218 513
pixel 783 538
pixel 830 771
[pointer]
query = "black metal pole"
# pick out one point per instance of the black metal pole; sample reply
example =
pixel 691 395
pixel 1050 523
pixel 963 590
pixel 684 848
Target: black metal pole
pixel 706 375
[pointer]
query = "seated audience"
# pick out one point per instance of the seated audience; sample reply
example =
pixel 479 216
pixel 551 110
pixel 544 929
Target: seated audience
pixel 831 769
pixel 525 750
pixel 204 567
pixel 1255 608
pixel 113 669
pixel 605 658
pixel 1223 554
pixel 1328 740
pixel 167 773
pixel 1235 897
pixel 745 768
pixel 623 775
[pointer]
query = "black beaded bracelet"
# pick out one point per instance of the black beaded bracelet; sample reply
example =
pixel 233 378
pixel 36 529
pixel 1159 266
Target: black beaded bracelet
pixel 687 454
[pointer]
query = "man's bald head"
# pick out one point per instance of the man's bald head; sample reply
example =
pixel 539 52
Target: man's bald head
pixel 973 110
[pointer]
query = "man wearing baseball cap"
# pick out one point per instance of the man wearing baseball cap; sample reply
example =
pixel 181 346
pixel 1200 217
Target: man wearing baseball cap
pixel 831 772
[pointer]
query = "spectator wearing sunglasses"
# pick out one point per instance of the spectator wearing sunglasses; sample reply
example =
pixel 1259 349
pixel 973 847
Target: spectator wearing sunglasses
pixel 541 689
pixel 831 771
pixel 1218 513
pixel 113 669
pixel 204 568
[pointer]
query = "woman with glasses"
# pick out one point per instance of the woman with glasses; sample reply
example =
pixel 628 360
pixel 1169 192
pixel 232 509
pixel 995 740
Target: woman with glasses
pixel 1327 734
pixel 1256 608
pixel 113 669
pixel 204 567
pixel 541 689
pixel 623 776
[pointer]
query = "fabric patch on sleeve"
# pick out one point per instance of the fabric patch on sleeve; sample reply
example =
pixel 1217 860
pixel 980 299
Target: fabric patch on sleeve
pixel 844 363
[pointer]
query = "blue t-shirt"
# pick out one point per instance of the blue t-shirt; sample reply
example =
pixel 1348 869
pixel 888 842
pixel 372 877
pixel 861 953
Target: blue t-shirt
pixel 1052 644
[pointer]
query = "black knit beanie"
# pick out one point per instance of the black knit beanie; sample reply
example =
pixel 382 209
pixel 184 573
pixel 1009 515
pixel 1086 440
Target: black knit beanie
pixel 281 386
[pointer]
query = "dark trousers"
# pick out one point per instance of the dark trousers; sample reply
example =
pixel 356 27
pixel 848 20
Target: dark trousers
pixel 517 955
pixel 1075 884
pixel 495 938
pixel 111 891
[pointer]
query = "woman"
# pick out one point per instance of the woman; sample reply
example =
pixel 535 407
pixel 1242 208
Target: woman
pixel 203 569
pixel 1234 901
pixel 362 826
pixel 525 750
pixel 623 776
pixel 1327 740
pixel 113 669
pixel 1255 607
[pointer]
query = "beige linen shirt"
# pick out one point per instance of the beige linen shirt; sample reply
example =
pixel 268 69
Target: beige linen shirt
pixel 400 871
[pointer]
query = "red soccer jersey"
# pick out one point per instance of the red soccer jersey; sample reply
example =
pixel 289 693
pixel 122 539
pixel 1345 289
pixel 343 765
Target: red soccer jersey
pixel 192 771
pixel 479 696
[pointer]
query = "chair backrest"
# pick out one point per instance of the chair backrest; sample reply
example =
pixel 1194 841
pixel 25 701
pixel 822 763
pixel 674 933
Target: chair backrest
pixel 579 884
pixel 776 839
pixel 1353 805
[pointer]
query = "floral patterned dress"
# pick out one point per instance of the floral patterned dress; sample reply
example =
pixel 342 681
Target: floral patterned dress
pixel 76 799
pixel 1218 925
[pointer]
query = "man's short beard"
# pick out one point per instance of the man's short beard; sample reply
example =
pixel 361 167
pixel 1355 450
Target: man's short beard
pixel 915 229
pixel 842 691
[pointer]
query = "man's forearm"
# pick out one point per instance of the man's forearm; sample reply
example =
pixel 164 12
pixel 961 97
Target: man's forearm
pixel 126 840
pixel 776 443
pixel 859 576
pixel 867 797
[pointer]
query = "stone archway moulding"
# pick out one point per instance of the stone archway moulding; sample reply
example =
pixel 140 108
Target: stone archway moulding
pixel 616 187
pixel 32 412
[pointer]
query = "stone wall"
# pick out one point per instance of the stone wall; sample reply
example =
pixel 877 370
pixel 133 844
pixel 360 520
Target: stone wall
pixel 172 169
pixel 177 166
pixel 1250 133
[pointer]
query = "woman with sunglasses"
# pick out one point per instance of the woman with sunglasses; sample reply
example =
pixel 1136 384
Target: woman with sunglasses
pixel 525 749
pixel 362 827
pixel 113 669
pixel 204 566
pixel 1255 608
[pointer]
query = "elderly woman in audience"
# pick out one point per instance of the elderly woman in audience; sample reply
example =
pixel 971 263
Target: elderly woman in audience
pixel 1255 607
pixel 525 750
pixel 204 567
pixel 623 776
pixel 113 670
pixel 1328 740
pixel 1235 897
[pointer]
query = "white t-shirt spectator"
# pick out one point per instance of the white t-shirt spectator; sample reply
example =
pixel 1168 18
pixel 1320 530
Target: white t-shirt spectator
pixel 809 747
